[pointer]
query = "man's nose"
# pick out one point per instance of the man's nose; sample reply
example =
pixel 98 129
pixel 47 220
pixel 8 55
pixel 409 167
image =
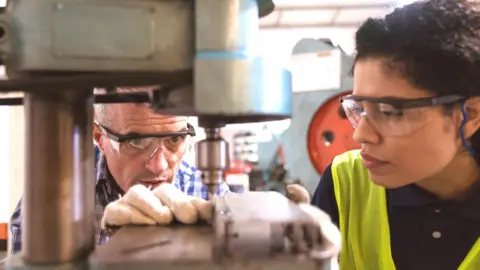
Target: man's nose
pixel 365 132
pixel 157 162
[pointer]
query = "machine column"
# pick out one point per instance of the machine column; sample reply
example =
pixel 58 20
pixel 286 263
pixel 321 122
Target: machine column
pixel 59 192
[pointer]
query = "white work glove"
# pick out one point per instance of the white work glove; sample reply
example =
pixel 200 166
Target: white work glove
pixel 330 233
pixel 298 193
pixel 141 206
pixel 186 209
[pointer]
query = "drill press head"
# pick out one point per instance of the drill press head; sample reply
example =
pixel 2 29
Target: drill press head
pixel 232 84
pixel 251 91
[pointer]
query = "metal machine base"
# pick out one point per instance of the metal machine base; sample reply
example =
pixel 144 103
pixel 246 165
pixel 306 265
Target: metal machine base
pixel 254 230
pixel 155 248
pixel 15 262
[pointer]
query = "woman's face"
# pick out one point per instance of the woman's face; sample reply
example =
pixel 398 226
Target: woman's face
pixel 410 157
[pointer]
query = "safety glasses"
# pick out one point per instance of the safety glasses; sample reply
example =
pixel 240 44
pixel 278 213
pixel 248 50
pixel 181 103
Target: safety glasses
pixel 393 116
pixel 172 144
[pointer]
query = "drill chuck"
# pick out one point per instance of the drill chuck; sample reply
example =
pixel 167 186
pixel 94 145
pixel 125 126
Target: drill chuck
pixel 212 157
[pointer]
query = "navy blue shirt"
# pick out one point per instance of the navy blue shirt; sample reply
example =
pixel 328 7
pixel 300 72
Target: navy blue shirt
pixel 425 232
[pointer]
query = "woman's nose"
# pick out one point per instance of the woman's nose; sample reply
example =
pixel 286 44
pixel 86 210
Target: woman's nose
pixel 365 132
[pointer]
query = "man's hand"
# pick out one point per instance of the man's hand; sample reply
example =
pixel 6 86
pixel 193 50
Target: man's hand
pixel 298 193
pixel 330 233
pixel 186 209
pixel 141 206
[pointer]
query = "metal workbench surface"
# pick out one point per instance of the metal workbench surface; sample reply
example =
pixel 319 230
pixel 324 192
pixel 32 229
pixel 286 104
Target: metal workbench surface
pixel 178 247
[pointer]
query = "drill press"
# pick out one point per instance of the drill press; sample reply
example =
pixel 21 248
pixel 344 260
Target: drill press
pixel 202 54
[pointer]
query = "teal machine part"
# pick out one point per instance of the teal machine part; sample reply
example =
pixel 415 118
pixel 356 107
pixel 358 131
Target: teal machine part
pixel 305 105
pixel 200 56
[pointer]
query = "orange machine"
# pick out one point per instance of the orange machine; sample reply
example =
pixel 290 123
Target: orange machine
pixel 329 134
pixel 3 236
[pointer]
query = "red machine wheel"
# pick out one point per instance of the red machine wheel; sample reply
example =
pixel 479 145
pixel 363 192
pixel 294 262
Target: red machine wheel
pixel 329 134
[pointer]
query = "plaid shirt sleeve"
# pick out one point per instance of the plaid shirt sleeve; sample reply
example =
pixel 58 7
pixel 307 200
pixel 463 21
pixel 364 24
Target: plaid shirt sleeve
pixel 189 181
pixel 15 226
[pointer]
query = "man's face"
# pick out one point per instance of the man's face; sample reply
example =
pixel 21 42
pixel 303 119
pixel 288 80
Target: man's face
pixel 157 163
pixel 411 157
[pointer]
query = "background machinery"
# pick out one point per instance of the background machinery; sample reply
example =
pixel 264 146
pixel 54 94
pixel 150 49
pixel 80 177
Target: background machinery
pixel 318 125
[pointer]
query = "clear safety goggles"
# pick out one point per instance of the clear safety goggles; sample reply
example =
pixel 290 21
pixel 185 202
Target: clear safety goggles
pixel 393 116
pixel 172 144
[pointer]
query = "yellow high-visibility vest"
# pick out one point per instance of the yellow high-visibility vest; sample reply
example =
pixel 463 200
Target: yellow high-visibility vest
pixel 363 219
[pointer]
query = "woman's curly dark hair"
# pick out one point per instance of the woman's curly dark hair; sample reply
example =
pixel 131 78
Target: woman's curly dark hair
pixel 434 44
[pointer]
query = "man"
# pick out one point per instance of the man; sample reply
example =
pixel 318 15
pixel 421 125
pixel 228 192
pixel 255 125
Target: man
pixel 410 198
pixel 134 146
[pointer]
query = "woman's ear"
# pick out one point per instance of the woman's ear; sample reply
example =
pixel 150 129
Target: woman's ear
pixel 472 110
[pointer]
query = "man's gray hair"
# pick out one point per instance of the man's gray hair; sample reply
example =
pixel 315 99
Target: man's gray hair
pixel 101 114
pixel 101 111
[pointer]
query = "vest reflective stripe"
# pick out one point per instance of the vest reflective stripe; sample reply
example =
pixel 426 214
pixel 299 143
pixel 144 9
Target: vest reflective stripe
pixel 363 219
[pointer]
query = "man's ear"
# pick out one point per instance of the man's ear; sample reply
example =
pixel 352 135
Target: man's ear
pixel 98 136
pixel 472 109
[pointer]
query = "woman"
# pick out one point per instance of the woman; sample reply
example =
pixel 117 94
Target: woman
pixel 410 198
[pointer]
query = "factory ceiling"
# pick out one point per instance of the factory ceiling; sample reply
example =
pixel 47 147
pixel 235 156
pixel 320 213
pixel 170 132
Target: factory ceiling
pixel 344 14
